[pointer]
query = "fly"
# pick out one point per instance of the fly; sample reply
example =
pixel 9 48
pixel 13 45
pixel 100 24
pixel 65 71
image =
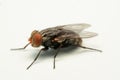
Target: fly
pixel 59 37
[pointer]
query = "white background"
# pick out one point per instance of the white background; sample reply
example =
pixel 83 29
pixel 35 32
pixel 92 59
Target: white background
pixel 18 18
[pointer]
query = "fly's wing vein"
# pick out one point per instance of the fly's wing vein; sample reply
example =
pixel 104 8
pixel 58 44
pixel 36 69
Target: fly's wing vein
pixel 79 28
pixel 86 34
pixel 75 27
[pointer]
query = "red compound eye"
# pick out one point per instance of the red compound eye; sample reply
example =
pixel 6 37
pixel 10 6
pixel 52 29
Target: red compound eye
pixel 37 37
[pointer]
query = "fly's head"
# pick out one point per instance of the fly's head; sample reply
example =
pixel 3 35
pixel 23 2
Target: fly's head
pixel 35 38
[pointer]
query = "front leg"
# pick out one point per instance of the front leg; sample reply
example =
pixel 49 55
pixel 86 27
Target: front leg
pixel 21 48
pixel 43 49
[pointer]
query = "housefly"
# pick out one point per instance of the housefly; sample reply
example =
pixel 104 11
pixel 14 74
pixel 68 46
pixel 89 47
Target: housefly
pixel 59 37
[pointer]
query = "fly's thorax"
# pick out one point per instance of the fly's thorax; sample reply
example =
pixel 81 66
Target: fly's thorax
pixel 35 38
pixel 46 41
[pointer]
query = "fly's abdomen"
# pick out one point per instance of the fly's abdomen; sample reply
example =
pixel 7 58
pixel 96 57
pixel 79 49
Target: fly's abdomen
pixel 72 42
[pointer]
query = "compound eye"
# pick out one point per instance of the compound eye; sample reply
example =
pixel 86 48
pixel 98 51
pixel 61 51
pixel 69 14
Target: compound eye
pixel 37 37
pixel 36 40
pixel 32 34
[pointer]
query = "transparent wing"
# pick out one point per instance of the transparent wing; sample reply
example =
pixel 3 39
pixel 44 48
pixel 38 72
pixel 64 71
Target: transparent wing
pixel 79 29
pixel 75 27
pixel 86 34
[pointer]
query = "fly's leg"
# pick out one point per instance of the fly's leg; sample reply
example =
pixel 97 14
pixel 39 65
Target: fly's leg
pixel 21 48
pixel 43 49
pixel 54 58
pixel 56 55
pixel 91 48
